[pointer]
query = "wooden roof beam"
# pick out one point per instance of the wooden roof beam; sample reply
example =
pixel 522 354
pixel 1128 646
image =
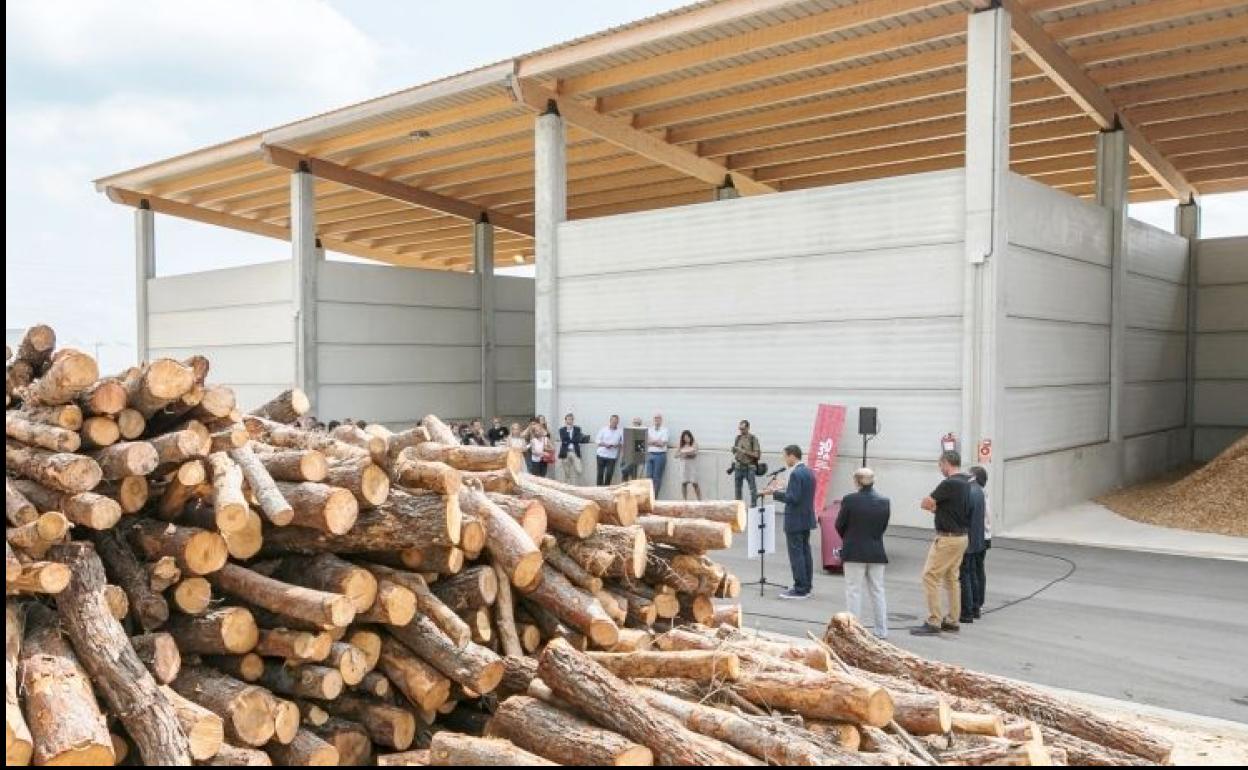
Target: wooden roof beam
pixel 1058 64
pixel 623 135
pixel 324 169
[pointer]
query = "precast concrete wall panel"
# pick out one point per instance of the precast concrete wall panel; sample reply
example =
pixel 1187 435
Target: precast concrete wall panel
pixel 1221 409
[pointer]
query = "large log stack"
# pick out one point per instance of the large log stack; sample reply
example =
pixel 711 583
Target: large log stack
pixel 201 585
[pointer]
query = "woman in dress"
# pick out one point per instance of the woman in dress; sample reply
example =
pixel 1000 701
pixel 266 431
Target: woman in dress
pixel 687 458
pixel 539 449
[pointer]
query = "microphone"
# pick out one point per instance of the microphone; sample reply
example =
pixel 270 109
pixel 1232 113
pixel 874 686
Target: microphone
pixel 775 473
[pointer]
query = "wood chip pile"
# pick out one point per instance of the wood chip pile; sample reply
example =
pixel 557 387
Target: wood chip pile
pixel 190 585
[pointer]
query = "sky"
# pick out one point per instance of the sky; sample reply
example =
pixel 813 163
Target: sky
pixel 98 86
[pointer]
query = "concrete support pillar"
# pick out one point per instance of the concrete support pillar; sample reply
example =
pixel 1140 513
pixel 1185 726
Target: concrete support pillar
pixel 550 180
pixel 1187 224
pixel 144 269
pixel 1112 159
pixel 483 266
pixel 306 256
pixel 726 191
pixel 987 170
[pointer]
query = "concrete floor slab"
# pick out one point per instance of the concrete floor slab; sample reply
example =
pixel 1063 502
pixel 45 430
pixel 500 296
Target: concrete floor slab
pixel 1167 631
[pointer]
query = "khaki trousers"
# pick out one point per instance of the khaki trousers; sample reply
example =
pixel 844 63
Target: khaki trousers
pixel 944 562
pixel 570 468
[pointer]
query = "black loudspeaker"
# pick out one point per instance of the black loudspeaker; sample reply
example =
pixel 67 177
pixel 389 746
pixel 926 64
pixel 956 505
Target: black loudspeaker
pixel 866 421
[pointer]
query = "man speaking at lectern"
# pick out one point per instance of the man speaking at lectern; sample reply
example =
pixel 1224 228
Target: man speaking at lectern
pixel 799 519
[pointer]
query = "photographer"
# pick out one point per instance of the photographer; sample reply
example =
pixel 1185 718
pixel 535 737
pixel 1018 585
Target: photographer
pixel 746 453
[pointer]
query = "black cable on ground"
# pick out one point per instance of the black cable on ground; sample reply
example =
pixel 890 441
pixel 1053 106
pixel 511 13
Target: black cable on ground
pixel 1072 568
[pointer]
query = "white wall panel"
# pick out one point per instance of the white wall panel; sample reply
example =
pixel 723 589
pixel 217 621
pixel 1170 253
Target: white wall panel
pixel 1222 403
pixel 1044 482
pixel 513 327
pixel 1222 308
pixel 399 402
pixel 1153 406
pixel 1209 442
pixel 513 293
pixel 905 282
pixel 1153 355
pixel 1154 252
pixel 1155 304
pixel 911 353
pixel 381 284
pixel 1223 260
pixel 396 324
pixel 241 364
pixel 1054 353
pixel 884 213
pixel 248 285
pixel 515 399
pixel 249 396
pixel 1150 455
pixel 243 325
pixel 1041 285
pixel 514 363
pixel 1044 219
pixel 381 364
pixel 1048 419
pixel 1222 356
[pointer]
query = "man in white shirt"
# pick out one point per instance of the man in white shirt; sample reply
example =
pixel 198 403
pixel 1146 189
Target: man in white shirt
pixel 656 453
pixel 609 440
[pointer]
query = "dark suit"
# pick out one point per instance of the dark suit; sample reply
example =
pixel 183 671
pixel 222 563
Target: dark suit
pixel 799 519
pixel 571 440
pixel 861 524
pixel 971 575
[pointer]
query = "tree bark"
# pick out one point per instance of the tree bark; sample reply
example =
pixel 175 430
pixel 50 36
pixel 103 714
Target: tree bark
pixel 180 445
pixel 504 615
pixel 248 667
pixel 319 607
pixel 366 480
pixel 860 648
pixel 66 416
pixel 471 458
pixel 159 652
pixel 434 559
pixel 500 481
pixel 656 526
pixel 327 572
pixel 130 492
pixel 377 685
pixel 36 346
pixel 306 749
pixel 404 521
pixel 204 730
pixel 70 372
pixel 49 437
pixel 350 739
pixel 114 667
pixel 386 724
pixel 350 661
pixel 922 714
pixel 59 470
pixel 472 665
pixel 696 535
pixel 356 436
pixel 574 607
pixel 616 505
pixel 197 551
pixel 633 640
pixel 618 706
pixel 453 749
pixel 223 631
pixel 306 681
pixel 292 464
pixel 87 509
pixel 276 510
pixel 238 756
pixel 322 507
pixel 246 710
pixel 427 602
pixel 17 508
pixel 17 742
pixel 529 514
pixel 294 646
pixel 183 485
pixel 967 723
pixel 726 614
pixel 39 577
pixel 149 608
pixel 285 407
pixel 704 667
pixel 34 539
pixel 470 589
pixel 420 682
pixel 571 569
pixel 411 471
pixel 506 541
pixel 287 437
pixel 126 458
pixel 66 725
pixel 818 695
pixel 626 545
pixel 808 654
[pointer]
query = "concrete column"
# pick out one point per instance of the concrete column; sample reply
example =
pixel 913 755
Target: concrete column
pixel 483 266
pixel 987 170
pixel 550 180
pixel 306 255
pixel 726 191
pixel 144 269
pixel 1112 159
pixel 1187 224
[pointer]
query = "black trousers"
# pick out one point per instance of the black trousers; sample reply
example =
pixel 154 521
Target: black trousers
pixel 800 561
pixel 606 470
pixel 972 581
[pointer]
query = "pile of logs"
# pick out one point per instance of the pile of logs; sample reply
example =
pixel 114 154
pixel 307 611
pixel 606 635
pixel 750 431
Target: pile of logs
pixel 189 584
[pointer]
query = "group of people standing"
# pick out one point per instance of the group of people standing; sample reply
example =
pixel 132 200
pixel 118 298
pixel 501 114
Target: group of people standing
pixel 654 448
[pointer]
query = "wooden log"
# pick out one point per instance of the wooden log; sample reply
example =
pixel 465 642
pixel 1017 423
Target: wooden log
pixel 377 685
pixel 633 640
pixel 427 602
pixel 506 541
pixel 131 423
pixel 179 446
pixel 420 682
pixel 472 536
pixel 504 615
pixel 438 431
pixel 818 695
pixel 434 560
pixel 285 721
pixel 472 665
pixel 327 572
pixel 66 726
pixel 366 480
pixel 130 492
pixel 246 710
pixel 616 705
pixel 500 482
pixel 997 752
pixel 807 654
pixel 571 569
pixel 38 577
pixel 197 551
pixel 69 373
pixel 115 669
pixel 217 403
pixel 616 505
pixel 18 427
pixel 529 514
pixel 656 526
pixel 116 602
pixel 17 740
pixel 204 730
pixel 411 471
pixel 705 667
pixel 12 564
pixel 405 521
pixel 730 512
pixel 696 535
pixel 223 631
pixel 238 756
pixel 18 510
pixel 330 509
pixel 285 407
pixel 187 482
pixel 574 607
pixel 626 546
pixel 386 724
pixel 248 667
pixel 726 614
pixel 616 606
pixel 36 346
pixel 306 681
pixel 149 608
pixel 454 749
pixel 155 385
pixel 294 646
pixel 159 652
pixel 922 714
pixel 470 458
pixel 318 607
pixel 311 714
pixel 229 438
pixel 59 470
pixel 87 509
pixel 470 589
pixel 358 437
pixel 17 377
pixel 64 416
pixel 272 502
pixel 860 648
pixel 126 458
pixel 99 432
pixel 287 437
pixel 696 607
pixel 482 628
pixel 566 513
pixel 192 595
pixel 964 722
pixel 348 738
pixel 550 627
pixel 292 464
pixel 395 605
pixel 34 539
pixel 686 573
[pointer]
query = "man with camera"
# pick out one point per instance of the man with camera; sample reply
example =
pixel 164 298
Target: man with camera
pixel 746 453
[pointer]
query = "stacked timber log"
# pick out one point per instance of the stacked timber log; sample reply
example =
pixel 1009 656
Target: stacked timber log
pixel 191 584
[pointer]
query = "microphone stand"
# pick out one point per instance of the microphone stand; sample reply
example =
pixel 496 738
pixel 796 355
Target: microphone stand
pixel 762 581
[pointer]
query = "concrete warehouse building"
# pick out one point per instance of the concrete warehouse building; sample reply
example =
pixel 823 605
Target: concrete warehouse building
pixel 744 208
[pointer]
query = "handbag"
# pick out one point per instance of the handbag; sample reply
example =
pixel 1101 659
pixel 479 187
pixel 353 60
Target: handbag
pixel 548 455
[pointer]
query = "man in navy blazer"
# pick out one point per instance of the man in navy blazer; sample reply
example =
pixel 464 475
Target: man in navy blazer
pixel 799 519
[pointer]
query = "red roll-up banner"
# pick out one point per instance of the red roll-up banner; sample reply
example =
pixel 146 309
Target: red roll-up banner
pixel 824 443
